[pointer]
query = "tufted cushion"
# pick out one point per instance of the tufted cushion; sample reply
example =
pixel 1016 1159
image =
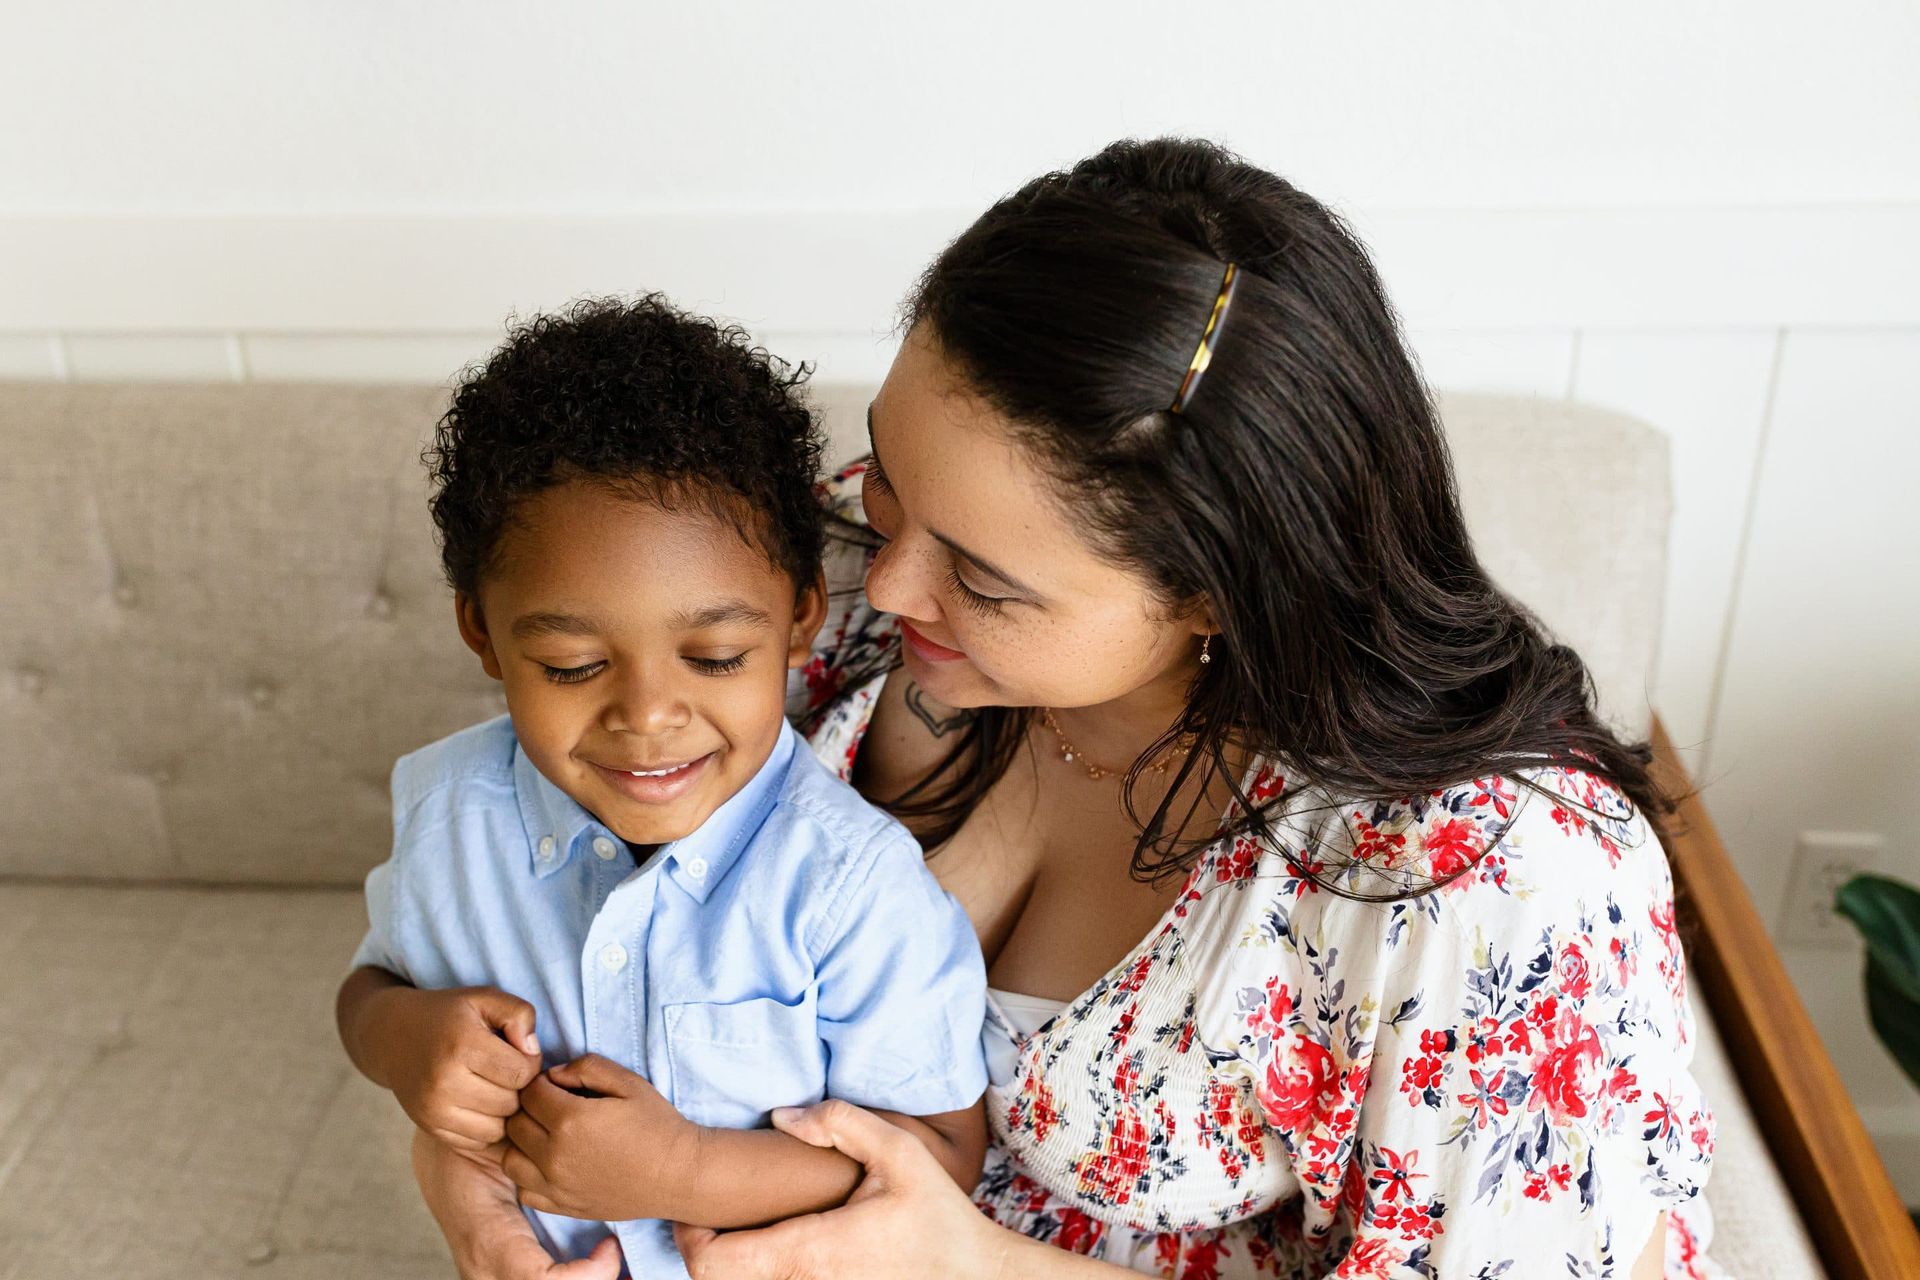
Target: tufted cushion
pixel 221 615
pixel 221 619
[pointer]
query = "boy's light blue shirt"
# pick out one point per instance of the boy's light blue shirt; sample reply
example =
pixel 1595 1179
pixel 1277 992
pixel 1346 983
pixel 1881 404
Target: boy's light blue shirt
pixel 794 947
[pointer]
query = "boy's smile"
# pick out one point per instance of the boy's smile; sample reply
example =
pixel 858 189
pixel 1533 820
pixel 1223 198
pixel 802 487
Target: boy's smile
pixel 644 649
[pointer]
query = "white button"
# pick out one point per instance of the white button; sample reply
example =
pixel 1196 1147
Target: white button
pixel 613 957
pixel 604 847
pixel 697 868
pixel 546 848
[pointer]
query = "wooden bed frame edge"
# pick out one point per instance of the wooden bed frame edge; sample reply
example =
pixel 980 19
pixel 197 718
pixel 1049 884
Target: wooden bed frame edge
pixel 1837 1180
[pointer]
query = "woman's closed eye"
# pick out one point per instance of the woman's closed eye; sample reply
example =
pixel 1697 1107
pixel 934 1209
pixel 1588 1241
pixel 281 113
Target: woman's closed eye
pixel 979 602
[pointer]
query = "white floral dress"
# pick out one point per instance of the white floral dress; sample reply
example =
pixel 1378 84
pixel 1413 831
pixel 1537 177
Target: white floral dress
pixel 1487 1080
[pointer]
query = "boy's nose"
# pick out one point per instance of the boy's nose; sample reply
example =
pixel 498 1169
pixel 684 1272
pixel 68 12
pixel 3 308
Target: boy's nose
pixel 647 707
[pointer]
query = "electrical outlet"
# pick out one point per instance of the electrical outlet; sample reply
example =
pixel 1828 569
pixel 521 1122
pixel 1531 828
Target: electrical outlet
pixel 1822 862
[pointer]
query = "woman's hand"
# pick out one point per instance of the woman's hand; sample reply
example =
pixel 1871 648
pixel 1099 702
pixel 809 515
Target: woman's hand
pixel 475 1205
pixel 906 1220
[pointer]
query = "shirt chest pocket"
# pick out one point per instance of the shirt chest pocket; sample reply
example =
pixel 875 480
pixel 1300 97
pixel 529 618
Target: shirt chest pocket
pixel 733 1062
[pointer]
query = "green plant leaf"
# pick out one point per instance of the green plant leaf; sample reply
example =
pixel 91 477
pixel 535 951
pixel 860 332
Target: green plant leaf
pixel 1887 914
pixel 1895 1015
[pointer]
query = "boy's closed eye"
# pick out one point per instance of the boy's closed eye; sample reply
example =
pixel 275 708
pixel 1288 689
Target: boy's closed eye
pixel 574 673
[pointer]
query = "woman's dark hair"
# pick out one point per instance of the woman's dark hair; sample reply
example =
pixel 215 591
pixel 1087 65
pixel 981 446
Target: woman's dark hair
pixel 1306 492
pixel 644 397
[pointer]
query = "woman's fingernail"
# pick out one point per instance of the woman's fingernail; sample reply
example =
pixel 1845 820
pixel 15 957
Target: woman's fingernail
pixel 531 1045
pixel 786 1115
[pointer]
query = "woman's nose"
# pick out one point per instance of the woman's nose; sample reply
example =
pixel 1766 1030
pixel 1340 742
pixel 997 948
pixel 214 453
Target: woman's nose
pixel 900 581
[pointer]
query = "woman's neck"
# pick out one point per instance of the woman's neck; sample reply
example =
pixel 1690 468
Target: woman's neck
pixel 1115 733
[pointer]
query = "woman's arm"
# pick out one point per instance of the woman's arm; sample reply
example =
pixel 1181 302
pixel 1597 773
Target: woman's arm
pixel 488 1235
pixel 906 1221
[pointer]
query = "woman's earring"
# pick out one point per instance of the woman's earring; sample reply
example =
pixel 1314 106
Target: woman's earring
pixel 1205 646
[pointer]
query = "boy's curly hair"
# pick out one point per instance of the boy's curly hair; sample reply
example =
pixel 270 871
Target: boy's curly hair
pixel 643 396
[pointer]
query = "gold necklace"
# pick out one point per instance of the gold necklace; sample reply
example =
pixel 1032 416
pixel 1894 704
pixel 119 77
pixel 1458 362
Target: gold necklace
pixel 1071 754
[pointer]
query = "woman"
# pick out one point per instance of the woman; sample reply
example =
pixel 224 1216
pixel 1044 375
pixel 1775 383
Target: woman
pixel 1327 929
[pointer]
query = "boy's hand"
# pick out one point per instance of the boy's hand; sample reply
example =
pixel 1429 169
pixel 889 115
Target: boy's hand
pixel 447 1061
pixel 615 1156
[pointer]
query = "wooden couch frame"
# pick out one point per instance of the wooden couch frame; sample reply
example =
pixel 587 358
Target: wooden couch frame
pixel 1848 1204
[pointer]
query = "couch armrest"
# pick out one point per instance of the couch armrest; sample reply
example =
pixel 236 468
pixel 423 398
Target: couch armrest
pixel 1841 1188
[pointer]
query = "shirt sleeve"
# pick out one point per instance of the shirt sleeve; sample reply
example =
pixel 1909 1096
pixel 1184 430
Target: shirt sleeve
pixel 383 945
pixel 1489 1079
pixel 902 990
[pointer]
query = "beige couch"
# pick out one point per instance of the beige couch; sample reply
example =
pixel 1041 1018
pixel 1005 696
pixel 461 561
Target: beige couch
pixel 220 621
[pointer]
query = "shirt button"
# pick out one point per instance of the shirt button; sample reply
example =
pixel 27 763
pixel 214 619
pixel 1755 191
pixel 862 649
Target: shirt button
pixel 613 957
pixel 545 852
pixel 604 847
pixel 697 868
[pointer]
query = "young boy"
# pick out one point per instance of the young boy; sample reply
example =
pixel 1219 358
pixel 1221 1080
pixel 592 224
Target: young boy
pixel 639 877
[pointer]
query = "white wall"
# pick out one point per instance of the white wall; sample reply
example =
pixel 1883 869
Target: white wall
pixel 1705 214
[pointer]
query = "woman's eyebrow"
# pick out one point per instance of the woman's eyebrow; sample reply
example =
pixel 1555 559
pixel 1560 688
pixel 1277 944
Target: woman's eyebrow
pixel 985 566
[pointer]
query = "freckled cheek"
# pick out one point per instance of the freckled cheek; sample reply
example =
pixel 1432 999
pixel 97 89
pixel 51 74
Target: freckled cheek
pixel 1058 664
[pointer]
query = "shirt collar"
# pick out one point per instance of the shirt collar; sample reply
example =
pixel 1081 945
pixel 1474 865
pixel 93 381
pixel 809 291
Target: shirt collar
pixel 556 823
pixel 701 859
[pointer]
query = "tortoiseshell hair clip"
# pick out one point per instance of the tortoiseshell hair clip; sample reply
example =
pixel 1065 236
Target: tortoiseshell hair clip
pixel 1204 355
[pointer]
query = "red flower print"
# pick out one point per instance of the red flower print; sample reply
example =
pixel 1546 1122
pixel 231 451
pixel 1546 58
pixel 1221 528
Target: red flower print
pixel 1661 1120
pixel 1485 1101
pixel 1126 1076
pixel 1451 845
pixel 1393 1173
pixel 1238 865
pixel 1202 1260
pixel 1422 1073
pixel 1545 1186
pixel 1267 784
pixel 1483 1039
pixel 1271 1017
pixel 1136 975
pixel 1111 1173
pixel 1571 971
pixel 1496 793
pixel 1369 1259
pixel 1374 845
pixel 1301 1085
pixel 1077 1233
pixel 1565 1076
pixel 1418 1223
pixel 1700 1129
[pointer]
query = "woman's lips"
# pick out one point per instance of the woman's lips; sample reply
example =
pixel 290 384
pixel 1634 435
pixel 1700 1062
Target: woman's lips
pixel 657 788
pixel 926 649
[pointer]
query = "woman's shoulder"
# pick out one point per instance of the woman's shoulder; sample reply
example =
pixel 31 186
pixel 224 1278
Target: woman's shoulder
pixel 1537 834
pixel 1426 888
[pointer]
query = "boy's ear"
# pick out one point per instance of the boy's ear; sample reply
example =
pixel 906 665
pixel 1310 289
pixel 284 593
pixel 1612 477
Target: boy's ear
pixel 473 630
pixel 809 614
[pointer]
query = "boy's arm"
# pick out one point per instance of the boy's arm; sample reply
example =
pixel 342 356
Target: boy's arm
pixel 737 1183
pixel 455 1059
pixel 627 1153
